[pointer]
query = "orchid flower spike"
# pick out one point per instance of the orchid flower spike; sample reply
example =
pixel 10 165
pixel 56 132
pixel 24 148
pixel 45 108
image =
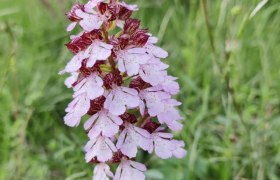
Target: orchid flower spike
pixel 123 88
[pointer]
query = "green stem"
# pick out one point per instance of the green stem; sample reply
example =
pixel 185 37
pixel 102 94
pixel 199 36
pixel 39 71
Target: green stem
pixel 208 25
pixel 229 88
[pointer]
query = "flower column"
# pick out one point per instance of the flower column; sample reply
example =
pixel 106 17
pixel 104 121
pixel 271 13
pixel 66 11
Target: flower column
pixel 120 82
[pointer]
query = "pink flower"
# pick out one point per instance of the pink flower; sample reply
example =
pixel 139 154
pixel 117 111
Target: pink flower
pixel 75 63
pixel 96 51
pixel 168 85
pixel 160 104
pixel 130 60
pixel 153 71
pixel 165 147
pixel 72 16
pixel 100 147
pixel 71 26
pixel 154 101
pixel 88 21
pixel 92 4
pixel 72 79
pixel 91 86
pixel 120 99
pixel 76 109
pixel 130 170
pixel 103 123
pixel 102 172
pixel 154 50
pixel 170 115
pixel 132 137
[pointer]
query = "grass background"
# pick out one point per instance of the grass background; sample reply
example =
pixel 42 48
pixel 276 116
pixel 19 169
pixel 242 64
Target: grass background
pixel 225 53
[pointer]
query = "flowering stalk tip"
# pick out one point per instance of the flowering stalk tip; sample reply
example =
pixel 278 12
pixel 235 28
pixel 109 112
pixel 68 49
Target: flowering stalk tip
pixel 120 83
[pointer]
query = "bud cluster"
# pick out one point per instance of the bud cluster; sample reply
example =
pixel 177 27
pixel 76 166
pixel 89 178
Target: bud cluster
pixel 120 83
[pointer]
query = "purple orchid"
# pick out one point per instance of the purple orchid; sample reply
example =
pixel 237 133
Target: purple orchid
pixel 120 83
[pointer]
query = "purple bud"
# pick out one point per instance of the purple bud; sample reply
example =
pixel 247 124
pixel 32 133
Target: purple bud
pixel 140 37
pixel 131 25
pixel 123 13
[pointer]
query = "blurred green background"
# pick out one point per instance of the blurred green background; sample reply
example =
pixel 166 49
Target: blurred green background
pixel 226 54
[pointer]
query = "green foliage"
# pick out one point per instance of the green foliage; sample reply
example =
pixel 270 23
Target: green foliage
pixel 227 61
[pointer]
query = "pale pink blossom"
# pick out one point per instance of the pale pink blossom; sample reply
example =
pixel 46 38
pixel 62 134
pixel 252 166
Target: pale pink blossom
pixel 76 109
pixel 133 137
pixel 154 101
pixel 89 21
pixel 71 26
pixel 169 84
pixel 71 79
pixel 179 152
pixel 170 115
pixel 130 170
pixel 155 50
pixel 100 147
pixel 103 123
pixel 72 16
pixel 165 147
pixel 129 60
pixel 75 63
pixel 92 4
pixel 96 51
pixel 152 72
pixel 91 86
pixel 120 99
pixel 102 172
